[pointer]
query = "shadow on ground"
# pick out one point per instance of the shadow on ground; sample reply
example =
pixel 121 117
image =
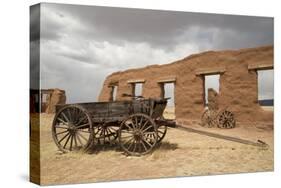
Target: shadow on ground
pixel 97 148
pixel 167 146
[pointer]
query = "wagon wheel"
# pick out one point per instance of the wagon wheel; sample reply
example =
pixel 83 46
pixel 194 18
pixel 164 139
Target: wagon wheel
pixel 208 118
pixel 72 128
pixel 226 120
pixel 138 134
pixel 161 131
pixel 106 134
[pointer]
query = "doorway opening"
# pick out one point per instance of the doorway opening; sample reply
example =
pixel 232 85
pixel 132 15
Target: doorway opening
pixel 137 89
pixel 211 82
pixel 113 93
pixel 265 88
pixel 168 91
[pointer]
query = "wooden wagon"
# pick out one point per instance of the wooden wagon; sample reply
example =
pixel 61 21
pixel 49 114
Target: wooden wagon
pixel 136 125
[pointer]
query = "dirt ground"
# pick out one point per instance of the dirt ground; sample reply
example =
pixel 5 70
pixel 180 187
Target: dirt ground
pixel 180 154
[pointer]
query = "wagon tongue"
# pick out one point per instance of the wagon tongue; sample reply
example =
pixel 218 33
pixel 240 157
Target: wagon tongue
pixel 166 122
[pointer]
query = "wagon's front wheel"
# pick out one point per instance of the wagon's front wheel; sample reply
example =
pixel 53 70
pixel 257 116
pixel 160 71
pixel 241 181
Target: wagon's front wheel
pixel 138 134
pixel 72 128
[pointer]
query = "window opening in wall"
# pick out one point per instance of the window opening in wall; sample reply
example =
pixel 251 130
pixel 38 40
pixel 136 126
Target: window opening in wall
pixel 44 97
pixel 114 93
pixel 265 88
pixel 168 91
pixel 211 81
pixel 138 89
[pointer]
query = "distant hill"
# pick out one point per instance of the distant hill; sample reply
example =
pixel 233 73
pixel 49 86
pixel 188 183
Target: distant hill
pixel 266 102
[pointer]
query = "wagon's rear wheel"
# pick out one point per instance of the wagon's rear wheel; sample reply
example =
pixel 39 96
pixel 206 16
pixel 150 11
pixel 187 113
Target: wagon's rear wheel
pixel 161 131
pixel 226 120
pixel 72 128
pixel 138 134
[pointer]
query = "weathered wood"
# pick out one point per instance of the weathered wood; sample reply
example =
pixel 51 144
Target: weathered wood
pixel 260 66
pixel 224 137
pixel 168 80
pixel 208 71
pixel 135 81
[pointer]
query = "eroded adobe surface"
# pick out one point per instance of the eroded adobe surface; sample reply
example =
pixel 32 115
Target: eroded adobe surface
pixel 238 82
pixel 56 96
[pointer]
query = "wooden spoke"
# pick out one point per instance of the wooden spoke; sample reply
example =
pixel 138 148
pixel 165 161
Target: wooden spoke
pixel 130 128
pixel 147 128
pixel 82 136
pixel 131 143
pixel 147 142
pixel 71 142
pixel 65 117
pixel 143 126
pixel 143 144
pixel 79 140
pixel 141 118
pixel 62 132
pixel 135 144
pixel 86 125
pixel 64 137
pixel 81 120
pixel 61 120
pixel 75 141
pixel 69 115
pixel 133 124
pixel 66 141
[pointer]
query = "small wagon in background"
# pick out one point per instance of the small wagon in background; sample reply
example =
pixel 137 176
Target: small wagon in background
pixel 137 125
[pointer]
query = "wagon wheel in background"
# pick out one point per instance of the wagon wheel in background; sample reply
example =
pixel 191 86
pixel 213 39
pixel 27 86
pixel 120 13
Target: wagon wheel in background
pixel 106 134
pixel 208 118
pixel 138 134
pixel 72 128
pixel 226 120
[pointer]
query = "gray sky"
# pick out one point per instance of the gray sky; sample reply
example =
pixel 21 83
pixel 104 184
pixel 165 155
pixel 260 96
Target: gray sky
pixel 81 45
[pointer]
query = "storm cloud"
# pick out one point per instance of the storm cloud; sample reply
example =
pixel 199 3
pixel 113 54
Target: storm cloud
pixel 81 45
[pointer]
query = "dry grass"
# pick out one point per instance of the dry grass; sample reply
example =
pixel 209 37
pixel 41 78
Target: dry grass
pixel 180 154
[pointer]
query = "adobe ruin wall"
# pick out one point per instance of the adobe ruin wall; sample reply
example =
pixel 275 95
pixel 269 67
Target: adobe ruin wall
pixel 238 83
